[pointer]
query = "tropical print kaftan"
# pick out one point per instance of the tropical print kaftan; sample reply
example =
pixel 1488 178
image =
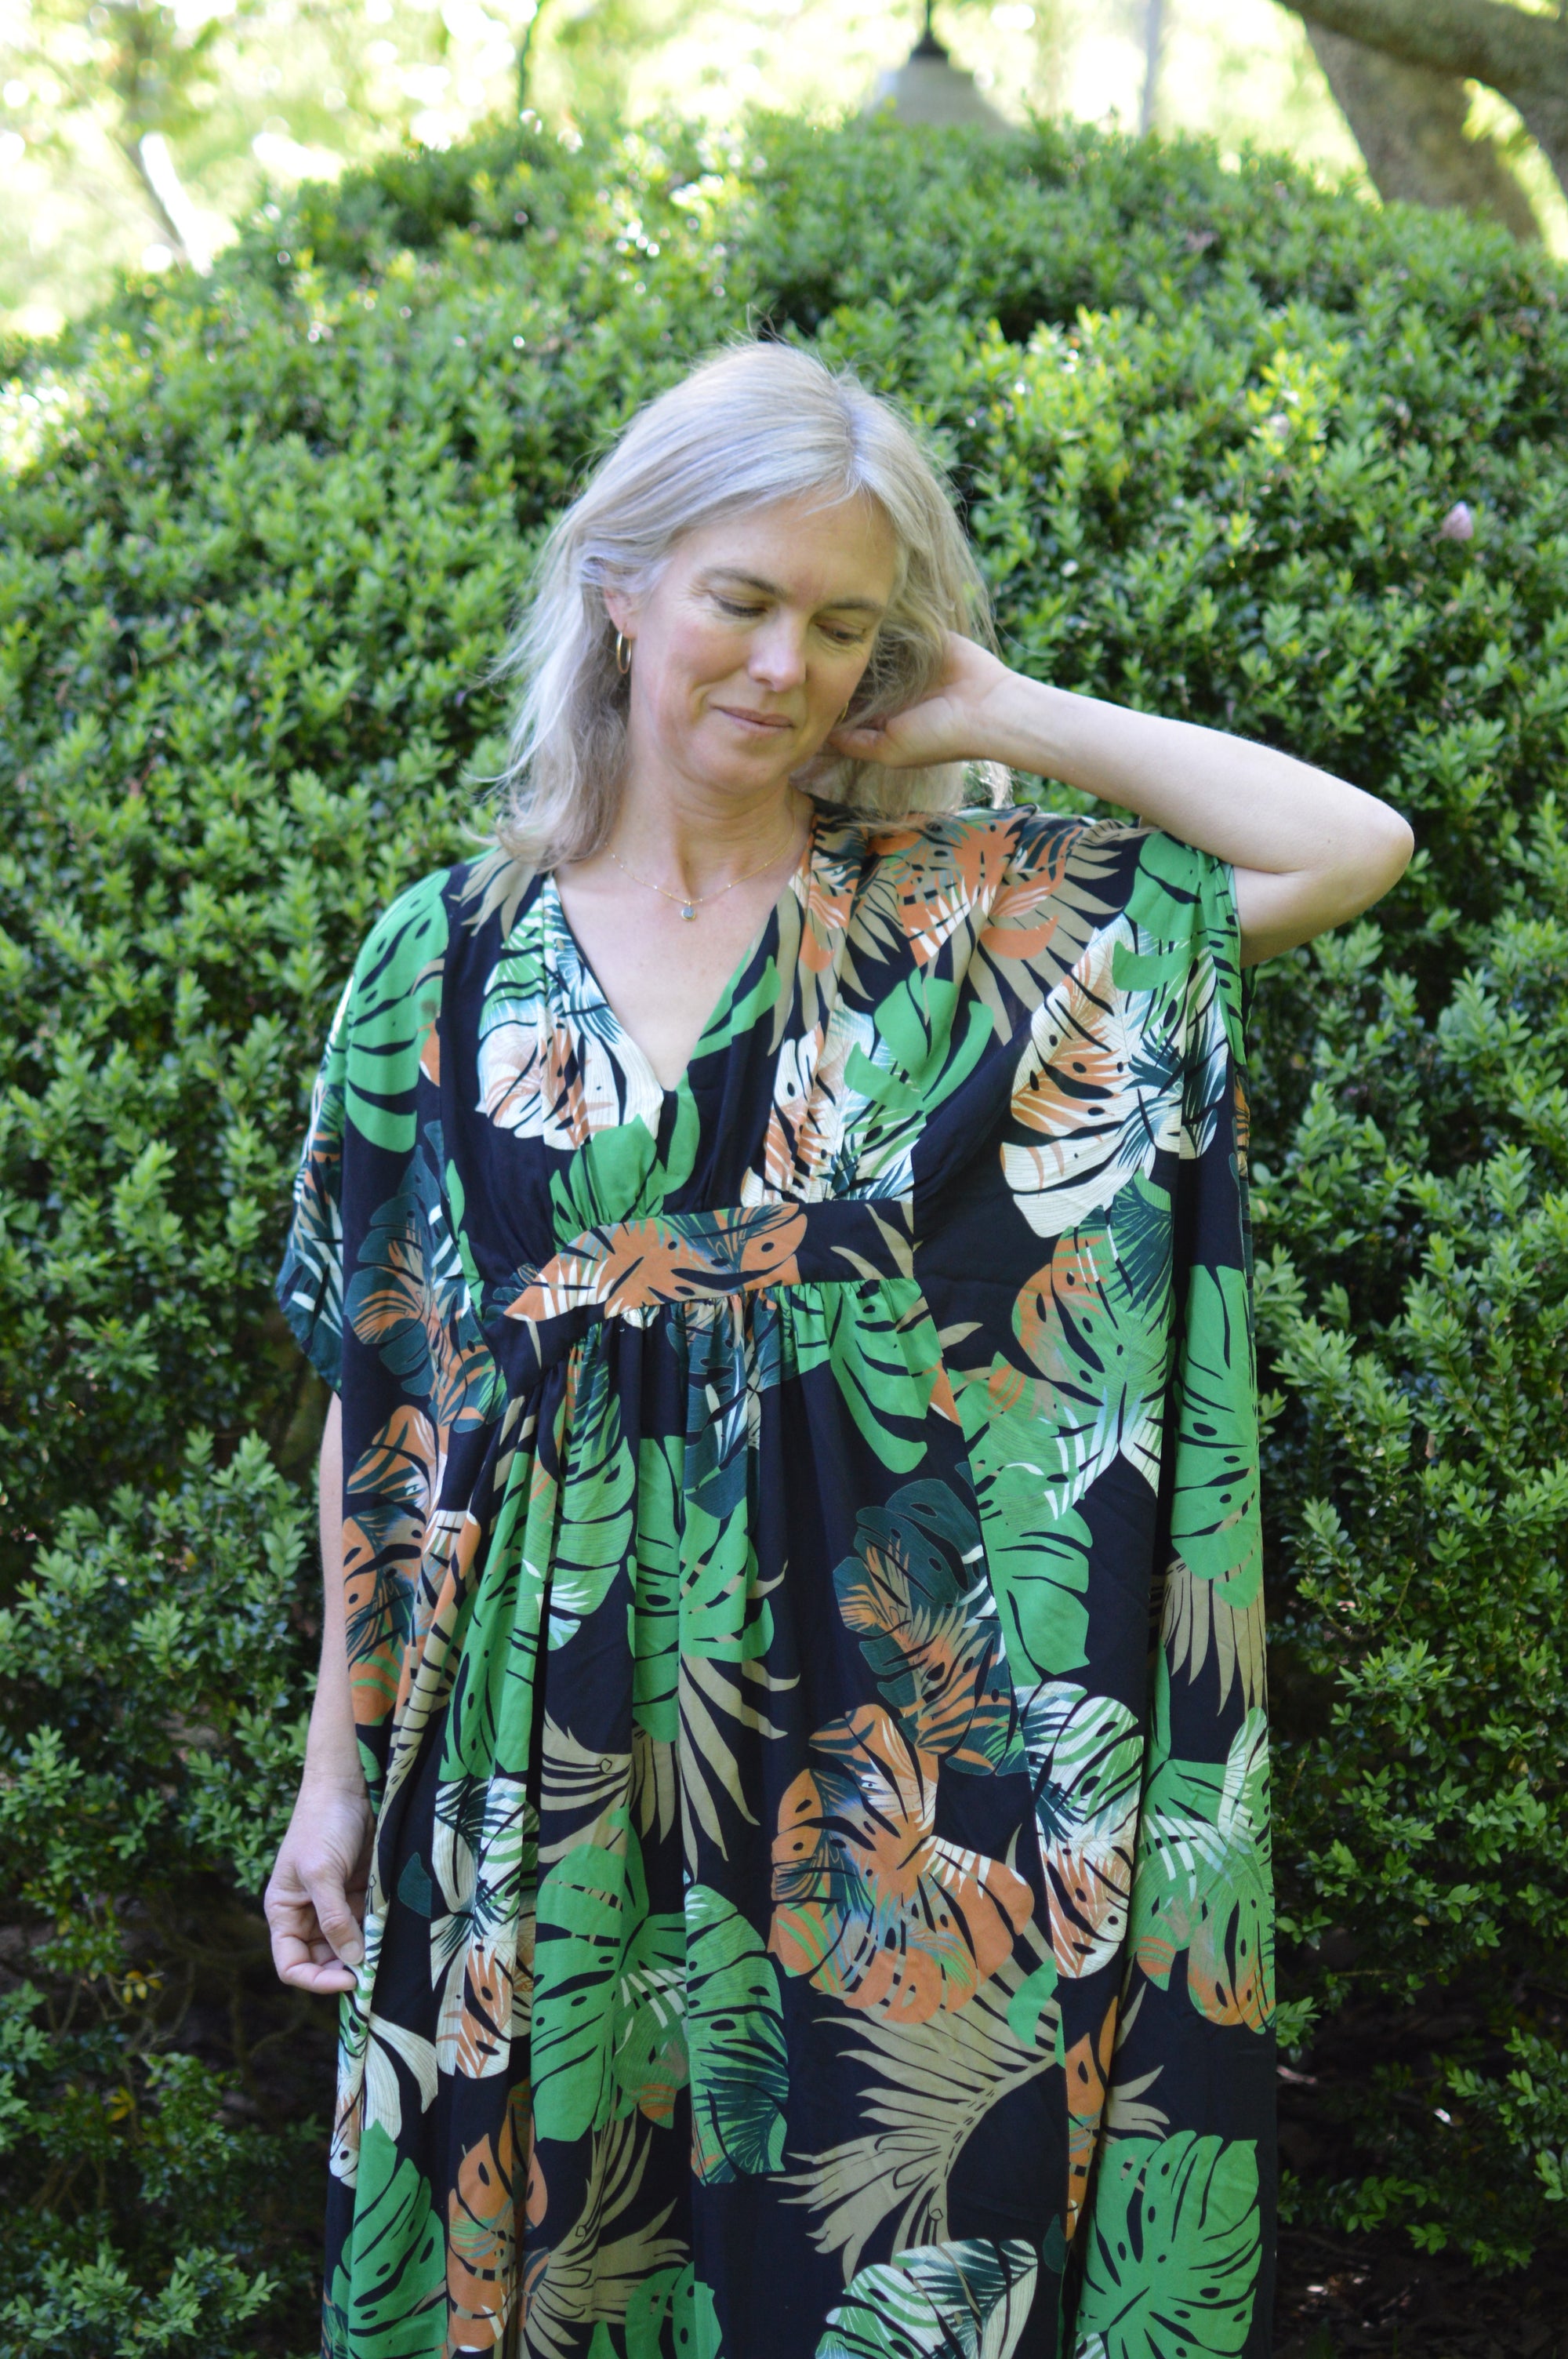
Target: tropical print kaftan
pixel 803 1594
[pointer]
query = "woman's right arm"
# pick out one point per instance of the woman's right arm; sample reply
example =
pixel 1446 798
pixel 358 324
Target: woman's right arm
pixel 315 1898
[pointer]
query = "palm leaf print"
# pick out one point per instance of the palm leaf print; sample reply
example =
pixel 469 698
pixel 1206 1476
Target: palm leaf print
pixel 937 2302
pixel 701 1629
pixel 1056 891
pixel 868 1901
pixel 585 2274
pixel 1173 2249
pixel 1098 1087
pixel 740 2071
pixel 1215 1522
pixel 483 1860
pixel 1198 1616
pixel 916 1589
pixel 608 2035
pixel 930 2087
pixel 1203 1880
pixel 1085 1758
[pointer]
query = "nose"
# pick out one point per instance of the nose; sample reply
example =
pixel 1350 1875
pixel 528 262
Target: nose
pixel 778 654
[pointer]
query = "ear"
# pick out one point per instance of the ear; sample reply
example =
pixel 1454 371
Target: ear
pixel 622 611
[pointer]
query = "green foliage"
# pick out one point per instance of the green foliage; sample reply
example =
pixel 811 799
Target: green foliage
pixel 259 540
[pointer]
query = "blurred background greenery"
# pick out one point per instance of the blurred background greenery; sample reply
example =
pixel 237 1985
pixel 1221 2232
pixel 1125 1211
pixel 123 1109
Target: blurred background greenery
pixel 133 133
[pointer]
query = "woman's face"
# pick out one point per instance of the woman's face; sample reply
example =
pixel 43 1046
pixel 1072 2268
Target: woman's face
pixel 752 641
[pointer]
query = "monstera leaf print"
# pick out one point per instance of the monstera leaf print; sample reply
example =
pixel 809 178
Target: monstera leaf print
pixel 395 2307
pixel 1215 1525
pixel 916 1593
pixel 671 2315
pixel 1038 1557
pixel 914 1064
pixel 409 1302
pixel 1203 1880
pixel 391 1015
pixel 877 1341
pixel 969 2300
pixel 388 1496
pixel 1086 1759
pixel 607 2030
pixel 870 1902
pixel 1098 1087
pixel 739 2070
pixel 594 1534
pixel 483 2209
pixel 927 2089
pixel 1171 2267
pixel 1101 1353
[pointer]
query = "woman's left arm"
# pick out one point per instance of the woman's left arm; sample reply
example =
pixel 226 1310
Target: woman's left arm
pixel 1308 850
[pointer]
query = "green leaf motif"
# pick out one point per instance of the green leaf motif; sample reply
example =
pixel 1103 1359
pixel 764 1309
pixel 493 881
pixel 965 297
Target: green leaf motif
pixel 608 2035
pixel 1039 1561
pixel 387 2298
pixel 671 2315
pixel 1202 1884
pixel 879 1342
pixel 595 1530
pixel 969 2300
pixel 1215 1525
pixel 739 2068
pixel 1174 2247
pixel 397 997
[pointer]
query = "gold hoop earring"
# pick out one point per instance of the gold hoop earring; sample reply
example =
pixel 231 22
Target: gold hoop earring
pixel 622 656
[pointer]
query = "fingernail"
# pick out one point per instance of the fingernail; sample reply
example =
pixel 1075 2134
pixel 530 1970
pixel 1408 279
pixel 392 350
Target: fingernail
pixel 351 1952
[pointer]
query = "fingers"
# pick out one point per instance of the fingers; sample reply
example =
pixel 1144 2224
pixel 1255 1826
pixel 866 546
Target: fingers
pixel 313 1916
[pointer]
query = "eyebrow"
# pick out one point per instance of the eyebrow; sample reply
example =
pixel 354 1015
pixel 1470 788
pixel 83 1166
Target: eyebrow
pixel 771 590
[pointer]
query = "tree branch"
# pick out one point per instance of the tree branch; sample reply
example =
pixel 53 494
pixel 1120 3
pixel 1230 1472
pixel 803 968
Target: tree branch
pixel 1409 124
pixel 1522 56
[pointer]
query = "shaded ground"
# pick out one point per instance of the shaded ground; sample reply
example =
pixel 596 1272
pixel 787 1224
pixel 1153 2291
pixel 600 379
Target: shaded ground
pixel 1376 2294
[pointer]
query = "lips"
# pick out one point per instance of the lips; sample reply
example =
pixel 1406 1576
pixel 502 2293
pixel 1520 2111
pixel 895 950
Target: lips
pixel 756 719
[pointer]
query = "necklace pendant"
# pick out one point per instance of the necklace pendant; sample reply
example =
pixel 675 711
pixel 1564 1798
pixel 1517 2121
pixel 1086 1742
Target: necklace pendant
pixel 688 912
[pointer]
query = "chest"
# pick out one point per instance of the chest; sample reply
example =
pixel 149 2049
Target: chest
pixel 662 975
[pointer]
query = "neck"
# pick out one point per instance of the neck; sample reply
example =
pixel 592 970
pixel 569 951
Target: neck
pixel 698 841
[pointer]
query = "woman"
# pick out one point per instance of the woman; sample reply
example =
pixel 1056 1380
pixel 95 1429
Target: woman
pixel 783 1265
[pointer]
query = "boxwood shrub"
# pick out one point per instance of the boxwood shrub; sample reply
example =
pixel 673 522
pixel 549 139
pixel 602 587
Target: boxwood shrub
pixel 259 540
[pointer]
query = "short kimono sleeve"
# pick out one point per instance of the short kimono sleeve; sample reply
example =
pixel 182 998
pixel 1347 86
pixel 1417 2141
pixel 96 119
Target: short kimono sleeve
pixel 362 1115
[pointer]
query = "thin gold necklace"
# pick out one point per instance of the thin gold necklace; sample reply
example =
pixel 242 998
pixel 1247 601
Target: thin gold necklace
pixel 689 904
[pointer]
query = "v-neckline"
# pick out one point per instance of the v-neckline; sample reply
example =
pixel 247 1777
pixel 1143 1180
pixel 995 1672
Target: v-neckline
pixel 627 1046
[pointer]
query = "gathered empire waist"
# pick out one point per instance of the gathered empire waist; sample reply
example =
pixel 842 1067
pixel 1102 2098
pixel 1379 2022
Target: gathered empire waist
pixel 628 1269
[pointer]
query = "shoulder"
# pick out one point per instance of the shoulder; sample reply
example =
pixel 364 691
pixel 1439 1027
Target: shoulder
pixel 410 939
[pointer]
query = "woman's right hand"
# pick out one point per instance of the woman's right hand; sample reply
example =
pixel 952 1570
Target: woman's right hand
pixel 316 1895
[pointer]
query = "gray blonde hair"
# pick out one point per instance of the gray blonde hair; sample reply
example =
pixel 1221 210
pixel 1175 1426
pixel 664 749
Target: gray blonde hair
pixel 753 425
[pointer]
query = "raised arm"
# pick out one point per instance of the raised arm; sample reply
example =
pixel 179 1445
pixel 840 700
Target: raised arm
pixel 1309 850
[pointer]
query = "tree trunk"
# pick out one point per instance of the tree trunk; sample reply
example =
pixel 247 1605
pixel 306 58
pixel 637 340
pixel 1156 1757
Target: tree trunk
pixel 1408 122
pixel 1514 50
pixel 1153 38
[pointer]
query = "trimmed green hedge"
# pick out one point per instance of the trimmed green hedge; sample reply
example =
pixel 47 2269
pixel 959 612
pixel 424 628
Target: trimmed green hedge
pixel 259 539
